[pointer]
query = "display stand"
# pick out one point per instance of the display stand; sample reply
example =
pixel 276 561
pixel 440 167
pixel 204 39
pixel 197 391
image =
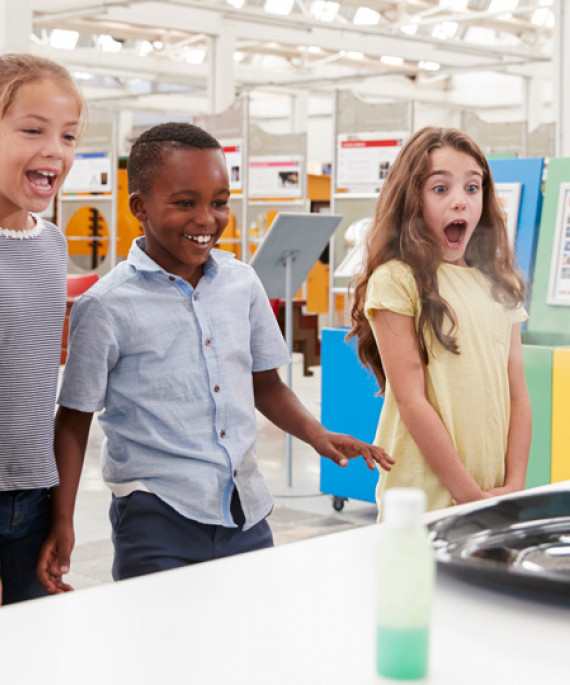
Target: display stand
pixel 283 261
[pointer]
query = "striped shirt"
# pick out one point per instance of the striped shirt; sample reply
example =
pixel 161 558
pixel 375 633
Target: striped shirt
pixel 32 309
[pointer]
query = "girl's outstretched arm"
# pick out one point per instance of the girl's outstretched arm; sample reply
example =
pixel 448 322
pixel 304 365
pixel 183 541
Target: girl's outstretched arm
pixel 520 423
pixel 402 363
pixel 281 406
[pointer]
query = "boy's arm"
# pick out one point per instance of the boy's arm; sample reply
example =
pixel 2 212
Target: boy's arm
pixel 71 433
pixel 403 366
pixel 520 423
pixel 281 406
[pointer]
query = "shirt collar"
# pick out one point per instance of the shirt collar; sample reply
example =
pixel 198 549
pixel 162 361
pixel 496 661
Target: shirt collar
pixel 139 259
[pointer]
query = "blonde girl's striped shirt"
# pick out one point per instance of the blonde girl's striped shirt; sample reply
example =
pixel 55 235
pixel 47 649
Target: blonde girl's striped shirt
pixel 32 309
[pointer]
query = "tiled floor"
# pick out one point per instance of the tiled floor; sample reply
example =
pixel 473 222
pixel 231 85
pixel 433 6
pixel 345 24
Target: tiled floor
pixel 301 511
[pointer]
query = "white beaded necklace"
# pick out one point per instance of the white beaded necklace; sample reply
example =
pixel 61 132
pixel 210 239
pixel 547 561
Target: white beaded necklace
pixel 23 235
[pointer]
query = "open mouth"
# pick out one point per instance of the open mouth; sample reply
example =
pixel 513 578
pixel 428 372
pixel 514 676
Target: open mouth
pixel 43 181
pixel 454 233
pixel 200 239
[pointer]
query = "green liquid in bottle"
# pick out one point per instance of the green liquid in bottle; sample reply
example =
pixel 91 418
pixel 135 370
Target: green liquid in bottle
pixel 402 653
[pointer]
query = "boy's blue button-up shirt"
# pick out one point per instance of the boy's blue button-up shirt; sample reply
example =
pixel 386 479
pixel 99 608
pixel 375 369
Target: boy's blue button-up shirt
pixel 171 367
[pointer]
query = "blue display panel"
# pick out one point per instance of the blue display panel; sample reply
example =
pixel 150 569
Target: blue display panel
pixel 527 172
pixel 349 404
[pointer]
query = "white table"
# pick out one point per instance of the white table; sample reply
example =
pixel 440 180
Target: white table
pixel 301 614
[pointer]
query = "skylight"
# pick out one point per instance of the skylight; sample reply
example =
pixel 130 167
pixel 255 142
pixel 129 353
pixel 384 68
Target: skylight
pixel 426 65
pixel 108 43
pixel 445 30
pixel 453 5
pixel 503 5
pixel 66 40
pixel 543 17
pixel 409 29
pixel 278 6
pixel 392 60
pixel 194 55
pixel 324 11
pixel 366 17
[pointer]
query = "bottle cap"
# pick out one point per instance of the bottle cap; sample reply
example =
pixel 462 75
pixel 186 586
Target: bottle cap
pixel 403 507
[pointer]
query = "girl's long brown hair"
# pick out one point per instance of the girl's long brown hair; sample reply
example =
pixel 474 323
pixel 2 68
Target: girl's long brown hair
pixel 398 232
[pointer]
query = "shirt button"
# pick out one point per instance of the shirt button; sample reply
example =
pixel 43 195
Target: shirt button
pixel 216 388
pixel 222 434
pixel 194 297
pixel 235 473
pixel 208 342
pixel 171 278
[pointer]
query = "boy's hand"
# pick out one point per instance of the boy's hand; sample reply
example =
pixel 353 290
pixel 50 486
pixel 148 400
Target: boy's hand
pixel 54 558
pixel 340 448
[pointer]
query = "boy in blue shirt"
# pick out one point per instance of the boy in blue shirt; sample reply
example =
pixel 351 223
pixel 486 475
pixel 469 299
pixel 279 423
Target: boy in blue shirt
pixel 177 345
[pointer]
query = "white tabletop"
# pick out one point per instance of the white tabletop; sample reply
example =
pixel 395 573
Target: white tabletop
pixel 302 613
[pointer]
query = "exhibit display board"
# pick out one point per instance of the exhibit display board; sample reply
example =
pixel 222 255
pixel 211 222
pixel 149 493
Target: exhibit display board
pixel 87 204
pixel 549 320
pixel 368 137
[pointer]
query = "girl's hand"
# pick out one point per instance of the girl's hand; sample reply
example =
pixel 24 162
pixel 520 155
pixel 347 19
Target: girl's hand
pixel 506 489
pixel 340 448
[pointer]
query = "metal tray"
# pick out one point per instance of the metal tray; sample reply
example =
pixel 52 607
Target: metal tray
pixel 519 543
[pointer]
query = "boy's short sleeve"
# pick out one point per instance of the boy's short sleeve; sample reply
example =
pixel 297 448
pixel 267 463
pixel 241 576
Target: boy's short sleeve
pixel 93 351
pixel 268 348
pixel 392 287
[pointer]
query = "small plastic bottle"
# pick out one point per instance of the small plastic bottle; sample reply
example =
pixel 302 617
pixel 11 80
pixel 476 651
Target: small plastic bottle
pixel 405 576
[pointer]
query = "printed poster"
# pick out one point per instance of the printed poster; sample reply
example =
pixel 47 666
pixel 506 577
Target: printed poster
pixel 559 290
pixel 275 177
pixel 90 173
pixel 364 159
pixel 234 163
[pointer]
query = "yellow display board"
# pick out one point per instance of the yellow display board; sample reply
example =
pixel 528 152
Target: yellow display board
pixel 560 415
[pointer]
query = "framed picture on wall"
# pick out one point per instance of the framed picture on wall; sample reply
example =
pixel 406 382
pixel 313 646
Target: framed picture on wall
pixel 559 284
pixel 509 195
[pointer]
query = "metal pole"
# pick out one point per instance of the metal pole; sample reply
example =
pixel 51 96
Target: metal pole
pixel 289 340
pixel 245 181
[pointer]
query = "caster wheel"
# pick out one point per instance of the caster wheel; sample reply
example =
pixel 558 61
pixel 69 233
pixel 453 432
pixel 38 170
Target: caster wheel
pixel 338 503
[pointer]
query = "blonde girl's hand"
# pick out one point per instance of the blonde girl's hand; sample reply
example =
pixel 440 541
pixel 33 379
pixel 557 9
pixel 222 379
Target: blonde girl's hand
pixel 503 490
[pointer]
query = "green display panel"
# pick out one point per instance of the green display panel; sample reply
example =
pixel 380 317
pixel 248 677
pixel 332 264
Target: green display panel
pixel 538 372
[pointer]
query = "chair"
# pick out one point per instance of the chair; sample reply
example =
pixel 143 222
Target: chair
pixel 77 284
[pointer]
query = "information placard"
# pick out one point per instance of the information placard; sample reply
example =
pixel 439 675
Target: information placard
pixel 509 195
pixel 275 177
pixel 559 288
pixel 234 162
pixel 363 159
pixel 90 173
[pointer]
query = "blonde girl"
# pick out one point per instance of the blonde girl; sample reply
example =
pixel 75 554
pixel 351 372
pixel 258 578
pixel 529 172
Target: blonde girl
pixel 437 311
pixel 41 113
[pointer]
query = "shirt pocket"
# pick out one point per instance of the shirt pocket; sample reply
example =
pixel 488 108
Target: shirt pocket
pixel 501 323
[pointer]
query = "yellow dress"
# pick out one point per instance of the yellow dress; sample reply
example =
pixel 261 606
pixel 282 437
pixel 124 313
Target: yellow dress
pixel 469 391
